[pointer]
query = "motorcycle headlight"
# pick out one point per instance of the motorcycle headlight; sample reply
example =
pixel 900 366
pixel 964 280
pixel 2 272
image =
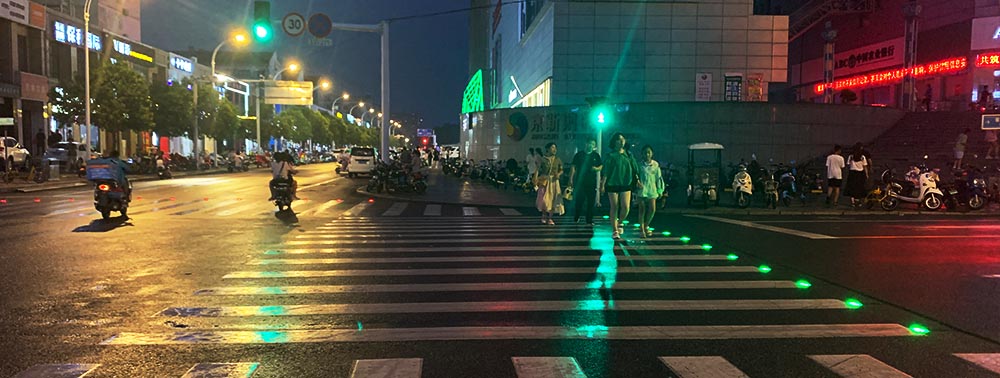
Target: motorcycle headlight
pixel 979 182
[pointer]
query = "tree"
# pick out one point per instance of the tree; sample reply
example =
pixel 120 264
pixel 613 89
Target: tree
pixel 319 127
pixel 208 108
pixel 227 122
pixel 172 108
pixel 292 124
pixel 121 100
pixel 67 103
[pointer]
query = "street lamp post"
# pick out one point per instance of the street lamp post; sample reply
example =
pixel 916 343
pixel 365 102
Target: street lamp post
pixel 292 67
pixel 361 104
pixel 86 76
pixel 333 107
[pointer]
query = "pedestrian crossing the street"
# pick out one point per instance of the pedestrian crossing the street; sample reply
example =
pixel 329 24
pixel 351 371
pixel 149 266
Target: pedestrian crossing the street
pixel 503 279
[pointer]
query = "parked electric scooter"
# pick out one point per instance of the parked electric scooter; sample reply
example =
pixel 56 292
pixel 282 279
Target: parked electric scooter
pixel 742 187
pixel 925 193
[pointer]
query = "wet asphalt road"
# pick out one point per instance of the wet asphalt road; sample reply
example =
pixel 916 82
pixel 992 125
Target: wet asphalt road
pixel 204 272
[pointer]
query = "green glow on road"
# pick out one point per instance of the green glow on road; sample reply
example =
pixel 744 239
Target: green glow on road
pixel 625 222
pixel 685 239
pixel 273 290
pixel 360 327
pixel 607 270
pixel 651 229
pixel 593 330
pixel 271 311
pixel 764 269
pixel 272 336
pixel 803 284
pixel 852 303
pixel 606 217
pixel 706 247
pixel 272 252
pixel 636 225
pixel 918 329
pixel 732 257
pixel 665 233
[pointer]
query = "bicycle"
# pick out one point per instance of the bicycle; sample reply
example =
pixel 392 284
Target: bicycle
pixel 31 174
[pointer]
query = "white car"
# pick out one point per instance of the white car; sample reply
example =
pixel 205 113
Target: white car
pixel 362 161
pixel 12 152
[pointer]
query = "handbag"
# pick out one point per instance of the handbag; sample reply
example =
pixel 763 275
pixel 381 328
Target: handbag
pixel 568 193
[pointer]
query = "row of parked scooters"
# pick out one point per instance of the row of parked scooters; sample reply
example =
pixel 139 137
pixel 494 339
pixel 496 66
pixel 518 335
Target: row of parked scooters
pixel 970 188
pixel 506 174
pixel 393 178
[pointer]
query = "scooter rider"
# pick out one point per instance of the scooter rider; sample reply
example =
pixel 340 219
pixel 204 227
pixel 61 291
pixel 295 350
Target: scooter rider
pixel 120 170
pixel 283 169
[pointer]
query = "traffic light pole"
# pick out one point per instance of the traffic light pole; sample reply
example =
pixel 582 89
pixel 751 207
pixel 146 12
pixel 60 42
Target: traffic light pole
pixel 382 29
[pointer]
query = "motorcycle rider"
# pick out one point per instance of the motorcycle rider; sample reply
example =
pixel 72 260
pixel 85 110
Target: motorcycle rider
pixel 121 168
pixel 283 169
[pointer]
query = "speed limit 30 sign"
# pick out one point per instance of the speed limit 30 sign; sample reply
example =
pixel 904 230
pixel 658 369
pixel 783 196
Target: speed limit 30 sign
pixel 293 24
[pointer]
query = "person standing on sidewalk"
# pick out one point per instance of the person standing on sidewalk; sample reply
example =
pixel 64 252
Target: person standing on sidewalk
pixel 531 162
pixel 994 151
pixel 857 176
pixel 620 175
pixel 549 198
pixel 963 139
pixel 652 187
pixel 834 176
pixel 583 172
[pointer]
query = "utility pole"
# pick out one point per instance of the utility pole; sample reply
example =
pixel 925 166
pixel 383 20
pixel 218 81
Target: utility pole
pixel 830 36
pixel 911 10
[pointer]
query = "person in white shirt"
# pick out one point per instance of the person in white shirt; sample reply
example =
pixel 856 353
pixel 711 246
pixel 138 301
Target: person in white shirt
pixel 834 176
pixel 283 169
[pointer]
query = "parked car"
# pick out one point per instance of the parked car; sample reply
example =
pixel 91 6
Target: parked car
pixel 12 152
pixel 362 161
pixel 69 154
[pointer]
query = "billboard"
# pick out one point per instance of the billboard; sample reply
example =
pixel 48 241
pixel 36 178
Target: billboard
pixel 281 92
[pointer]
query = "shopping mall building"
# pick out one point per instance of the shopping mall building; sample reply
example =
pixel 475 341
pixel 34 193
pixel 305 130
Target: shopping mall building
pixel 957 52
pixel 536 61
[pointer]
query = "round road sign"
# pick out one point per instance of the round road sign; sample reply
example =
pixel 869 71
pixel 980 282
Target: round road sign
pixel 320 25
pixel 293 24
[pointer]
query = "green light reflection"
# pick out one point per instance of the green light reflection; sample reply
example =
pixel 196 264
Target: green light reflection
pixel 271 311
pixel 272 337
pixel 592 331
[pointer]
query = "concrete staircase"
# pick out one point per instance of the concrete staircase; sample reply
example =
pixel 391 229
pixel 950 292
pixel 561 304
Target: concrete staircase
pixel 928 133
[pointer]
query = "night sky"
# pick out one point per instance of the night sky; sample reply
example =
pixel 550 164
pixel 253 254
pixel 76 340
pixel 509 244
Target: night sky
pixel 429 55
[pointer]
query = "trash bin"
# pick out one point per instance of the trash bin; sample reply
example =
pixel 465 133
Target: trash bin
pixel 53 169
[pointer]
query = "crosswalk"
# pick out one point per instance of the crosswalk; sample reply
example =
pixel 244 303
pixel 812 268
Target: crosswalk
pixel 55 207
pixel 526 300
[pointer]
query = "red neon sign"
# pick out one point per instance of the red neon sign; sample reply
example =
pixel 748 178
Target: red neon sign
pixel 988 60
pixel 944 66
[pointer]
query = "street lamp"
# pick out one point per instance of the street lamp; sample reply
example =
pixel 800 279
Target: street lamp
pixel 333 107
pixel 361 104
pixel 324 85
pixel 370 111
pixel 86 75
pixel 237 38
pixel 292 67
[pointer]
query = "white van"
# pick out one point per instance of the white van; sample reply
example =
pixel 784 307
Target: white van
pixel 362 161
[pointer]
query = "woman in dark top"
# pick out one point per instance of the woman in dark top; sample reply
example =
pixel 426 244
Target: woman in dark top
pixel 620 174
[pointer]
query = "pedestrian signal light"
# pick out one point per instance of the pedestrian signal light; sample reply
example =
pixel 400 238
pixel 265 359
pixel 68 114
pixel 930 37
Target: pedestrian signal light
pixel 424 141
pixel 262 21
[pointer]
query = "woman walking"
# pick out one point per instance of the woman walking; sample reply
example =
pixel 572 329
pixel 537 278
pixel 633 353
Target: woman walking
pixel 549 199
pixel 857 176
pixel 651 182
pixel 620 175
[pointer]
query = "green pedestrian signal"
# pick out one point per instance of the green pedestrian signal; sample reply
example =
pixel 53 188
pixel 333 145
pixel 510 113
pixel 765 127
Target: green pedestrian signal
pixel 262 21
pixel 601 115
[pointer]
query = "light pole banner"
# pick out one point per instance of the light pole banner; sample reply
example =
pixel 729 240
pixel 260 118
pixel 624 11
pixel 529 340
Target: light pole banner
pixel 288 93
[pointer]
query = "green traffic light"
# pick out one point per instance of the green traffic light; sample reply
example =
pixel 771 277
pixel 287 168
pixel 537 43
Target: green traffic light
pixel 600 117
pixel 262 32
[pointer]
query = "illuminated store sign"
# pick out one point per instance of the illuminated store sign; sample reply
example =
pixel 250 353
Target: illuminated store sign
pixel 181 63
pixel 136 51
pixel 890 76
pixel 988 60
pixel 73 35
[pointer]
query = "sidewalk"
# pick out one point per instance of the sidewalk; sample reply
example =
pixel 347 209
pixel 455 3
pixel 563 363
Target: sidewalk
pixel 70 180
pixel 447 189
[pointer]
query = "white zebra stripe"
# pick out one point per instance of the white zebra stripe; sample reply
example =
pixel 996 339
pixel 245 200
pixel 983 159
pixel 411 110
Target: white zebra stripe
pixel 702 367
pixel 547 367
pixel 858 366
pixel 387 368
pixel 482 271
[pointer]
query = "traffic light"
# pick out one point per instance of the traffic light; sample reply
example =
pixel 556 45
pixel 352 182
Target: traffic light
pixel 425 140
pixel 262 31
pixel 601 114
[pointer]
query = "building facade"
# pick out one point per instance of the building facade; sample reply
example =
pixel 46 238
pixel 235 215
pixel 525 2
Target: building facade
pixel 956 55
pixel 542 53
pixel 23 84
